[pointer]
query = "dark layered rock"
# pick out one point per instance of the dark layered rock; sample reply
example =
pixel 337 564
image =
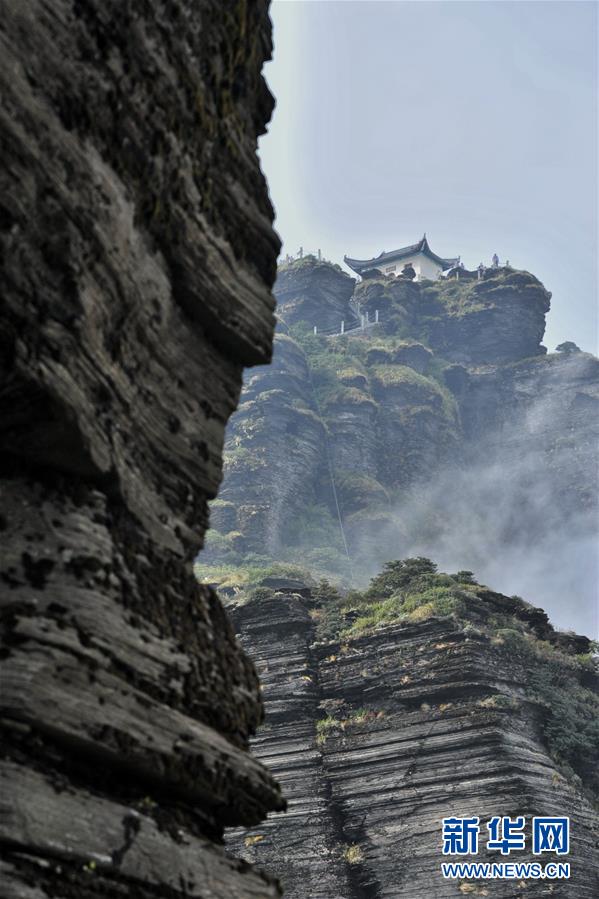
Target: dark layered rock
pixel 414 355
pixel 417 424
pixel 377 737
pixel 393 297
pixel 498 319
pixel 495 320
pixel 351 416
pixel 137 255
pixel 314 292
pixel 274 447
pixel 305 840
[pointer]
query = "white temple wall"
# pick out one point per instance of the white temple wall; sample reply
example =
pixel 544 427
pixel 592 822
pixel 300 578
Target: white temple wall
pixel 423 266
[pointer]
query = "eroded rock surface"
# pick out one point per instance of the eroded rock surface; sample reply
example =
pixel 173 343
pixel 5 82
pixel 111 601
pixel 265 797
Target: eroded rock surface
pixel 314 292
pixel 274 447
pixel 379 736
pixel 137 256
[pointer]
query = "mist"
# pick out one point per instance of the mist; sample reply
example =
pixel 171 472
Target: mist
pixel 520 513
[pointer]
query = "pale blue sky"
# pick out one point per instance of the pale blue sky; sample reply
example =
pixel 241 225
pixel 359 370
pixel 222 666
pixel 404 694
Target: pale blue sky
pixel 473 121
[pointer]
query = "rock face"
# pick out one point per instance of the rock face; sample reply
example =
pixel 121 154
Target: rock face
pixel 274 447
pixel 410 430
pixel 500 318
pixel 550 407
pixel 304 843
pixel 314 292
pixel 137 256
pixel 377 737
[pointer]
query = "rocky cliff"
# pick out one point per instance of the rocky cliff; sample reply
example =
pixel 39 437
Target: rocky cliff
pixel 426 697
pixel 137 256
pixel 444 426
pixel 408 431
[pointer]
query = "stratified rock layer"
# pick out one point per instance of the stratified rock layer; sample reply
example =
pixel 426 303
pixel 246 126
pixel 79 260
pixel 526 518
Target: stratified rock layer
pixel 137 256
pixel 275 446
pixel 377 738
pixel 316 293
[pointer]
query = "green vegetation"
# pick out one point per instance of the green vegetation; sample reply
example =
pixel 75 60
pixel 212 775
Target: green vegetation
pixel 242 457
pixel 347 370
pixel 567 347
pixel 498 701
pixel 571 727
pixel 400 574
pixel 249 576
pixel 308 261
pixel 465 297
pixel 326 727
pixel 353 854
pixel 406 590
pixel 558 681
pixel 334 395
pixel 226 561
pixel 400 375
pixel 352 372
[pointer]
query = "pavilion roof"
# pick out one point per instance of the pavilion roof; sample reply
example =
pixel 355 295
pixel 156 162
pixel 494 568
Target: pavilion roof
pixel 361 265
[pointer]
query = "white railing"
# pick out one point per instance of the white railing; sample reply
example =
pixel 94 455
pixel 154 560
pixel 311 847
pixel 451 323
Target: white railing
pixel 291 257
pixel 363 325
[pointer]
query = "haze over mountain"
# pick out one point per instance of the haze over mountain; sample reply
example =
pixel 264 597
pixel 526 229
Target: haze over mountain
pixel 445 430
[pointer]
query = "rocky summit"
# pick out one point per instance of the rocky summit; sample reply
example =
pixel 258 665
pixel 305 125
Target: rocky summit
pixel 436 423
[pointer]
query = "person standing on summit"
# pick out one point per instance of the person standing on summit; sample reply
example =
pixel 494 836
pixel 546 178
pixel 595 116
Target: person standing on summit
pixel 495 260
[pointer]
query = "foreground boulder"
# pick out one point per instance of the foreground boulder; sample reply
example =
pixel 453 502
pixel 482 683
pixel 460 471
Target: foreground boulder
pixel 137 256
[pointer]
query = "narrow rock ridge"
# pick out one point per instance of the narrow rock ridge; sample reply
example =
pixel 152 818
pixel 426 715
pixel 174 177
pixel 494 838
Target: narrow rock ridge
pixel 137 255
pixel 418 721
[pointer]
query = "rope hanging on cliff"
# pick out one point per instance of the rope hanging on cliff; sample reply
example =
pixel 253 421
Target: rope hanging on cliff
pixel 351 573
pixel 331 476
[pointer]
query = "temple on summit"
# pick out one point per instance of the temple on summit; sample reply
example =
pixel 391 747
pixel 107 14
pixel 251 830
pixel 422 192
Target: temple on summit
pixel 425 263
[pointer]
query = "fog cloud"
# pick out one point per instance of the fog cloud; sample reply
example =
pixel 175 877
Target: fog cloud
pixel 520 514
